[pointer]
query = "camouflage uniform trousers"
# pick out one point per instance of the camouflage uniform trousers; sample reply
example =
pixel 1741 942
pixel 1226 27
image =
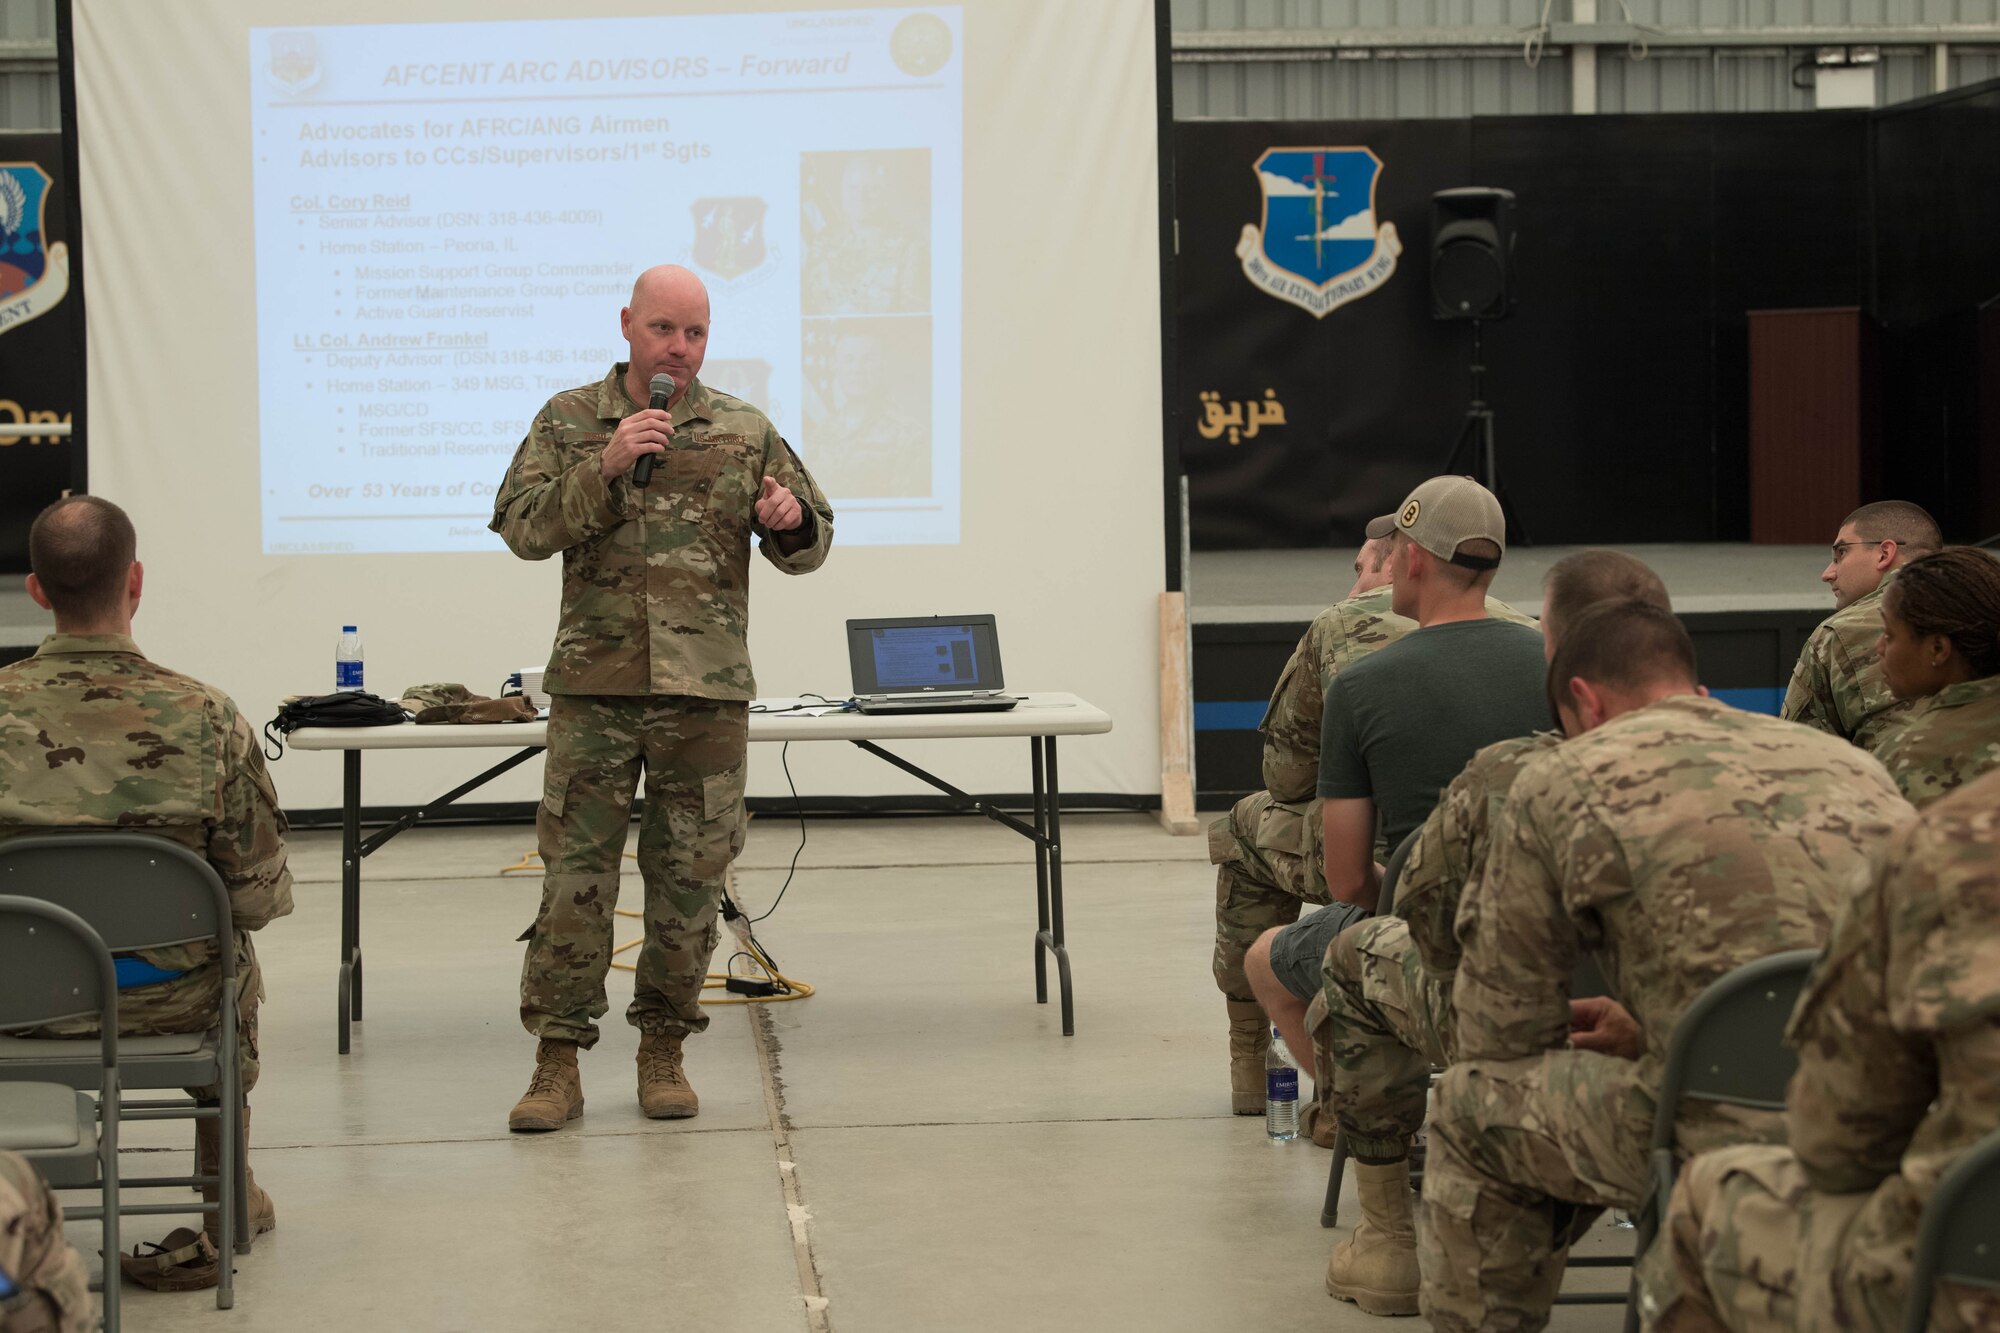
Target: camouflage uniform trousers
pixel 188 1004
pixel 692 752
pixel 1381 1024
pixel 1750 1247
pixel 52 1287
pixel 1524 1155
pixel 1270 858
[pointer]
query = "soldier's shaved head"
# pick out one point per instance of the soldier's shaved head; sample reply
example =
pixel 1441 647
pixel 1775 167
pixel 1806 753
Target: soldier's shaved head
pixel 1585 578
pixel 1873 540
pixel 668 282
pixel 666 327
pixel 1908 525
pixel 81 550
pixel 1626 647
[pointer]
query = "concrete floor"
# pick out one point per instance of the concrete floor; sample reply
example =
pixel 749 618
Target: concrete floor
pixel 959 1164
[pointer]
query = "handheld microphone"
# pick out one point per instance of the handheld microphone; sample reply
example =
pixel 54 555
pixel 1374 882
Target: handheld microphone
pixel 662 388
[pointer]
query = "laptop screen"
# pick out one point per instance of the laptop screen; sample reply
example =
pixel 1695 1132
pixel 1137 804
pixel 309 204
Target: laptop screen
pixel 927 654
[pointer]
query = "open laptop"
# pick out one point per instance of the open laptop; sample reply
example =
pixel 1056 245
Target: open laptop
pixel 926 664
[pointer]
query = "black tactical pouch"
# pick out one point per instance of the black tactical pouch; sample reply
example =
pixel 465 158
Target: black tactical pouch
pixel 349 708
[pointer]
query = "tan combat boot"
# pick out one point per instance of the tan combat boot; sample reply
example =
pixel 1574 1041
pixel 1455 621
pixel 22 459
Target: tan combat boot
pixel 1249 1039
pixel 555 1093
pixel 207 1146
pixel 1376 1266
pixel 1316 1122
pixel 664 1093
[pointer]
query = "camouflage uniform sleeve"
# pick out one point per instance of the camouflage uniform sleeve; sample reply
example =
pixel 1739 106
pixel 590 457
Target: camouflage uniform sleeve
pixel 545 507
pixel 247 844
pixel 1895 751
pixel 1520 946
pixel 1861 1087
pixel 53 1290
pixel 1847 702
pixel 1291 728
pixel 1808 698
pixel 1433 877
pixel 814 536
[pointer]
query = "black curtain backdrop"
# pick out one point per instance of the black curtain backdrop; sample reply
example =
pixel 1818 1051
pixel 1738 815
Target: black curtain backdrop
pixel 1936 167
pixel 39 376
pixel 1620 383
pixel 1372 393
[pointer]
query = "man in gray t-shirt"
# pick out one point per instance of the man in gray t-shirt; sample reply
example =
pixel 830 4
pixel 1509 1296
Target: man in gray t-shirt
pixel 1397 727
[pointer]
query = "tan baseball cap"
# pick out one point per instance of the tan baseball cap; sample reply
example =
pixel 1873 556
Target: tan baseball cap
pixel 1444 513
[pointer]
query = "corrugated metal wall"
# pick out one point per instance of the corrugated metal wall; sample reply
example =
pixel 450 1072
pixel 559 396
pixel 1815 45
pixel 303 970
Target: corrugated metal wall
pixel 28 99
pixel 1413 82
pixel 1377 85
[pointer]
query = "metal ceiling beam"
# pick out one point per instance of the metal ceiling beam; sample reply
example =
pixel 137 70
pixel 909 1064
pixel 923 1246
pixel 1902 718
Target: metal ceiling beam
pixel 1267 45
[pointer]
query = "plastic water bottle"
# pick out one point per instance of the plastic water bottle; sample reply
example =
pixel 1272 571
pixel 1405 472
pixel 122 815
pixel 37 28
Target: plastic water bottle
pixel 1281 1092
pixel 347 660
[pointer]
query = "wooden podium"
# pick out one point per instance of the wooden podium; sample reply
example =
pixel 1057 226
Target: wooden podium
pixel 1814 443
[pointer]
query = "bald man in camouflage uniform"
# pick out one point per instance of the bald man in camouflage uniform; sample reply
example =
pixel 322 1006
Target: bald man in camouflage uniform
pixel 1673 839
pixel 650 671
pixel 47 1287
pixel 1269 848
pixel 1837 685
pixel 1382 1020
pixel 93 735
pixel 1899 1063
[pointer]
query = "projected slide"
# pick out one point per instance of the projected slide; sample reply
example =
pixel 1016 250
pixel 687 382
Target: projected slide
pixel 449 216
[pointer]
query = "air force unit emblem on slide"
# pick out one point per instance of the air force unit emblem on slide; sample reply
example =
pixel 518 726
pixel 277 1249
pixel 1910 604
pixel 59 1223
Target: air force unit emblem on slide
pixel 1319 245
pixel 34 276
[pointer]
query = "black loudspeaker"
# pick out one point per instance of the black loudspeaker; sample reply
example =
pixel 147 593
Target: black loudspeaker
pixel 1472 253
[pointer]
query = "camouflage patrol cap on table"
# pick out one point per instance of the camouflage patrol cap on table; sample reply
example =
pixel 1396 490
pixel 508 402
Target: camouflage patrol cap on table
pixel 448 701
pixel 1443 514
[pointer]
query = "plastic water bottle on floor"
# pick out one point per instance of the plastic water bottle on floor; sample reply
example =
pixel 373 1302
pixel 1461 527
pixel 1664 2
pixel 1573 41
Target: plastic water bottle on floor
pixel 1281 1092
pixel 347 660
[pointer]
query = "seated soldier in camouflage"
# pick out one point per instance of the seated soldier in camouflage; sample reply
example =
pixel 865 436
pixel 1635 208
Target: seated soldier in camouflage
pixel 1899 1075
pixel 1940 648
pixel 1672 839
pixel 44 1287
pixel 1382 1020
pixel 1267 848
pixel 87 713
pixel 1837 685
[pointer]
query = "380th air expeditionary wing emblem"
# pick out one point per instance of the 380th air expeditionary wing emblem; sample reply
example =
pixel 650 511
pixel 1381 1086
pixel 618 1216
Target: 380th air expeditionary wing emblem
pixel 34 276
pixel 1319 245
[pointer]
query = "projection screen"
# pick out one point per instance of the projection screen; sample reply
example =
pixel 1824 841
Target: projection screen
pixel 339 253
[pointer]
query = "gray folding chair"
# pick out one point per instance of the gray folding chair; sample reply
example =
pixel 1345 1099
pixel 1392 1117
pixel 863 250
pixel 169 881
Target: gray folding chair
pixel 53 966
pixel 144 892
pixel 1729 1047
pixel 1959 1239
pixel 1385 903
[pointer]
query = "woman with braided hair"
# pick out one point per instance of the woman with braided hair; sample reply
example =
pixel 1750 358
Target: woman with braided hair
pixel 1941 644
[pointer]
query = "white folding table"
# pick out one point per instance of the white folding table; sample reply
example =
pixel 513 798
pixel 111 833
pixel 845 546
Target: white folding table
pixel 1039 717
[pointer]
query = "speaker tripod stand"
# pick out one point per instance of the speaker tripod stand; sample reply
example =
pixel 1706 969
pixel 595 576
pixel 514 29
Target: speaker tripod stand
pixel 1475 454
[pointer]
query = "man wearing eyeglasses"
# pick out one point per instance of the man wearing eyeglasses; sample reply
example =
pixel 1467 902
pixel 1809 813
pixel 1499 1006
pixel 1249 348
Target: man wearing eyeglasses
pixel 1838 685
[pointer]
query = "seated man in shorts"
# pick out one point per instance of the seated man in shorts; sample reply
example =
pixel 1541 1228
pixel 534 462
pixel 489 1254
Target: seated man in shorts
pixel 1400 724
pixel 1267 849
